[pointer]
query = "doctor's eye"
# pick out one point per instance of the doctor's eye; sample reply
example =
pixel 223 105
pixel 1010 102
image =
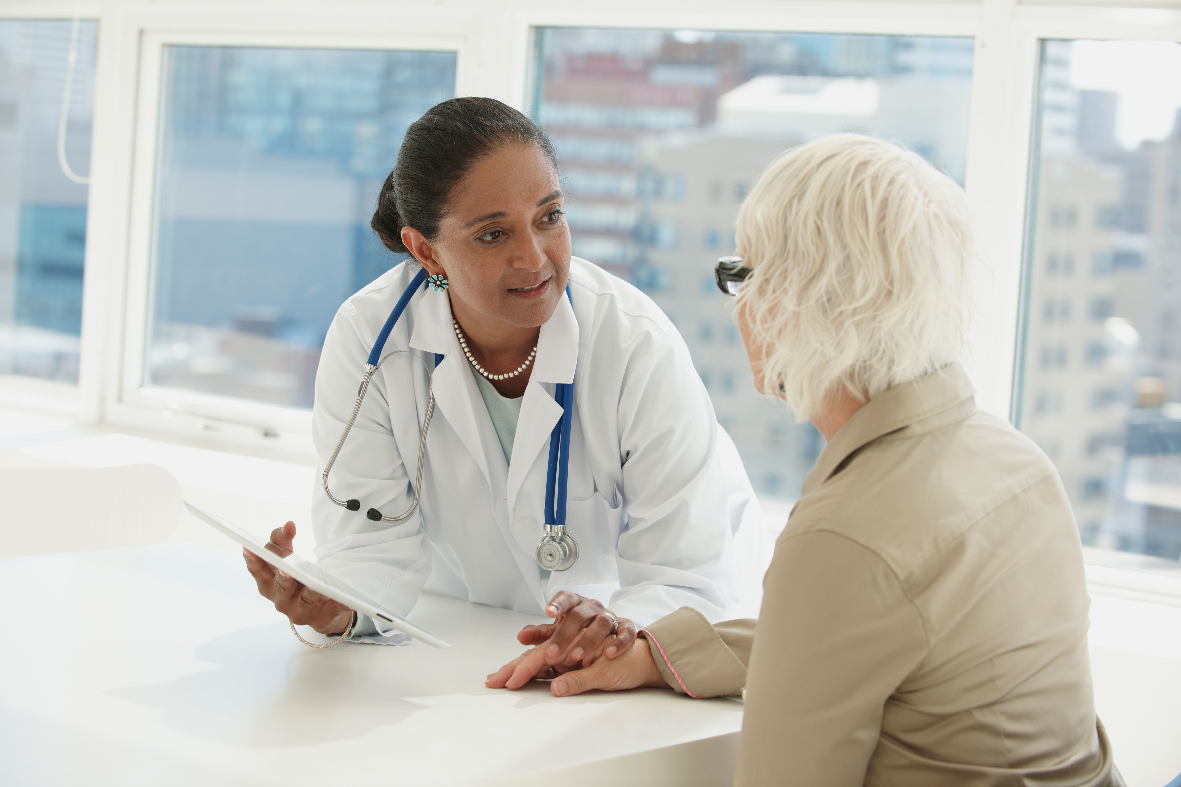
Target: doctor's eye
pixel 554 216
pixel 490 237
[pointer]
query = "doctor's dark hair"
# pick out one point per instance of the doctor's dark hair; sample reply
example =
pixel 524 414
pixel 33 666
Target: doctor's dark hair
pixel 439 149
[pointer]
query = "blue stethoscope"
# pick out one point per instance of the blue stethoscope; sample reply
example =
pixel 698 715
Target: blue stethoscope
pixel 558 550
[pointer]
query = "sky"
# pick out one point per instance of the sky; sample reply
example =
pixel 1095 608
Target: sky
pixel 1146 75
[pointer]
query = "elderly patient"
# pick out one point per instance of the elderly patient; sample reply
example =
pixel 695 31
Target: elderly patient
pixel 925 615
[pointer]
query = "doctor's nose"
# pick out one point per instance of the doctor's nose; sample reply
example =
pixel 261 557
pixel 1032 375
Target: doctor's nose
pixel 529 255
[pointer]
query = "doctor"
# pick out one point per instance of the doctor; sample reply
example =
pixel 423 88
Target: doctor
pixel 656 500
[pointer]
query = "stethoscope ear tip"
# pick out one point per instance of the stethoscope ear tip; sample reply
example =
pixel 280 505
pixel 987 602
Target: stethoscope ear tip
pixel 373 514
pixel 353 505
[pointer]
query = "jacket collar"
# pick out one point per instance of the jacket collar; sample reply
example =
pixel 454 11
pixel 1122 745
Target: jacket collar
pixel 942 397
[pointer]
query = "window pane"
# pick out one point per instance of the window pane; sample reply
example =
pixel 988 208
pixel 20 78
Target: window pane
pixel 1100 382
pixel 42 211
pixel 662 134
pixel 269 168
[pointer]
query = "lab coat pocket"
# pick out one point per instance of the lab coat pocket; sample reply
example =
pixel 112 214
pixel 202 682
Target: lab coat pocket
pixel 595 524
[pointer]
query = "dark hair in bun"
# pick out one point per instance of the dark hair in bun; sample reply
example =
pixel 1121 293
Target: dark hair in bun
pixel 437 152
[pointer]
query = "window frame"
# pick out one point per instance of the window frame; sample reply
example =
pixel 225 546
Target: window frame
pixel 127 400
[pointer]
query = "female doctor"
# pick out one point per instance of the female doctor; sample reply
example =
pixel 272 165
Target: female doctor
pixel 658 510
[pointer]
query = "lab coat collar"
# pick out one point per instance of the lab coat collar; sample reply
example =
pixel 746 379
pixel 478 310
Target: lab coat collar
pixel 556 361
pixel 557 346
pixel 454 388
pixel 433 332
pixel 940 398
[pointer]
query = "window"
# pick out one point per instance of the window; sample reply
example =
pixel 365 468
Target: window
pixel 1109 152
pixel 701 114
pixel 42 207
pixel 1102 308
pixel 269 163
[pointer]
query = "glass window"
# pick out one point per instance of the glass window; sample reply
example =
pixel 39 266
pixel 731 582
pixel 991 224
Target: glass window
pixel 270 162
pixel 665 133
pixel 42 209
pixel 1107 180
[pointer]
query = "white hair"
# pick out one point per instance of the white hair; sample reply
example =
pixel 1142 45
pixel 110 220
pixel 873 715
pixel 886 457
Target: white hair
pixel 862 257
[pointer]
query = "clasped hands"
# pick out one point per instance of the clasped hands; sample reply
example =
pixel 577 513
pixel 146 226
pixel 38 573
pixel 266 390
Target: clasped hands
pixel 579 646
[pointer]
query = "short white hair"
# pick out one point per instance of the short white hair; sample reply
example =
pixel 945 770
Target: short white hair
pixel 862 257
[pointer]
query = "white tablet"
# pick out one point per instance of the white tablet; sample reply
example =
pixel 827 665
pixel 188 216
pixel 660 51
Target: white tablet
pixel 316 578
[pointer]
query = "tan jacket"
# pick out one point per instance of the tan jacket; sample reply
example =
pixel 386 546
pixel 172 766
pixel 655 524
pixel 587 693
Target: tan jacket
pixel 925 615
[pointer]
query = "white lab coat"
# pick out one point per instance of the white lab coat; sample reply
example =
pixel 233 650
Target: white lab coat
pixel 659 502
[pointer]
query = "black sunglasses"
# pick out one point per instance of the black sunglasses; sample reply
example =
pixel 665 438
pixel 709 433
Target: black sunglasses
pixel 730 273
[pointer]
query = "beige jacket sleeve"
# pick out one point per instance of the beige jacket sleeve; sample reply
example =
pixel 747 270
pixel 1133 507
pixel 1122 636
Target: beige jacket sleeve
pixel 711 658
pixel 835 638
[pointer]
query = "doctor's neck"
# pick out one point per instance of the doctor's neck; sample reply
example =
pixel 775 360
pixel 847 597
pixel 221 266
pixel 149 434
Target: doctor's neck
pixel 499 347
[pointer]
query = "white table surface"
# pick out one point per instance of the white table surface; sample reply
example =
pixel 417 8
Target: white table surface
pixel 161 665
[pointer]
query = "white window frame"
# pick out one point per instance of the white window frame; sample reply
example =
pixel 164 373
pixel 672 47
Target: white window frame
pixel 494 41
pixel 147 406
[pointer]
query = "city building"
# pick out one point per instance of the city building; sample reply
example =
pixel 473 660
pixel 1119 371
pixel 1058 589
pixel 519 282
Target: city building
pixel 661 136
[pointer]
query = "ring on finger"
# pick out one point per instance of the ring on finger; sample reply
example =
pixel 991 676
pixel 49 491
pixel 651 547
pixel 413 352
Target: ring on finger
pixel 551 673
pixel 614 621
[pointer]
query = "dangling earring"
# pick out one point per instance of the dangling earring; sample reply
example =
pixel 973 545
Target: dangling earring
pixel 438 282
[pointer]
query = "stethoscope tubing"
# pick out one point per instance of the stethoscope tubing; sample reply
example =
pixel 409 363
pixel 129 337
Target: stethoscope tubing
pixel 558 469
pixel 426 423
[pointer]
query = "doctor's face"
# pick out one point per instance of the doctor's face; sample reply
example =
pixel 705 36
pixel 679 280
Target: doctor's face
pixel 504 245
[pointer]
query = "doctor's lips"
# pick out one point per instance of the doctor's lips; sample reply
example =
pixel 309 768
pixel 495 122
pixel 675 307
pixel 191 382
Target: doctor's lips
pixel 532 291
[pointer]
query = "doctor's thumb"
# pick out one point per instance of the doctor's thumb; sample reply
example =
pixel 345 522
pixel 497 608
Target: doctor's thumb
pixel 283 538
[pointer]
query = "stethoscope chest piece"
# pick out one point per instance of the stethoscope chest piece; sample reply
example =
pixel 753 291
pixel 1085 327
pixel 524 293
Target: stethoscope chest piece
pixel 558 550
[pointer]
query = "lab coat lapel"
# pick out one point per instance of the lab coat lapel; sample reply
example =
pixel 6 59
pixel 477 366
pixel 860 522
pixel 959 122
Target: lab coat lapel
pixel 557 358
pixel 455 391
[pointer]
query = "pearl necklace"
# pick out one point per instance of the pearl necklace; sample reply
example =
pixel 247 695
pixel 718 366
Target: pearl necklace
pixel 463 345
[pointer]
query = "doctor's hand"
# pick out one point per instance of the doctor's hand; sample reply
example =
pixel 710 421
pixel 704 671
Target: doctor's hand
pixel 304 606
pixel 581 627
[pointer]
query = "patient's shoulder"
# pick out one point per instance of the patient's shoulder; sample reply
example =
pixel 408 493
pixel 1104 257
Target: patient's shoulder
pixel 910 497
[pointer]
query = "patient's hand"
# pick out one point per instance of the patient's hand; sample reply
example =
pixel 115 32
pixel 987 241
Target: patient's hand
pixel 634 669
pixel 302 605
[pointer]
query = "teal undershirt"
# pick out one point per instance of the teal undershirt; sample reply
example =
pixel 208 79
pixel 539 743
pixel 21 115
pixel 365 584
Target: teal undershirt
pixel 504 413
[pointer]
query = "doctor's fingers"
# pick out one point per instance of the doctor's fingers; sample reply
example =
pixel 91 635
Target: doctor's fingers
pixel 284 592
pixel 570 625
pixel 593 638
pixel 533 635
pixel 264 575
pixel 625 637
pixel 561 602
pixel 324 615
pixel 302 605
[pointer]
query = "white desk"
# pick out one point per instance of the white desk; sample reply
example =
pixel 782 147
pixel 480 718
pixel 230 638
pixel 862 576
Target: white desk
pixel 162 665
